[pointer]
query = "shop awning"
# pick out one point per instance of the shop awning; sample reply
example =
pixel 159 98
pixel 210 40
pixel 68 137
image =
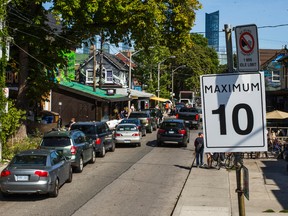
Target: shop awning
pixel 159 99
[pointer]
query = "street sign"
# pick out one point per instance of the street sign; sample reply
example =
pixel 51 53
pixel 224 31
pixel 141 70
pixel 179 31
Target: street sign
pixel 234 112
pixel 247 48
pixel 245 182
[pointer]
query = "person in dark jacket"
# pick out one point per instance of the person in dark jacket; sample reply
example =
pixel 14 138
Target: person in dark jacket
pixel 199 149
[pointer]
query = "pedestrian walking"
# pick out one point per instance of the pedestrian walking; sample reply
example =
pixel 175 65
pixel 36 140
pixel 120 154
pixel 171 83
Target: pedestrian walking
pixel 72 121
pixel 199 149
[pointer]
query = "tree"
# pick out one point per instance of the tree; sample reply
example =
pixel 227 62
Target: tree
pixel 198 59
pixel 38 40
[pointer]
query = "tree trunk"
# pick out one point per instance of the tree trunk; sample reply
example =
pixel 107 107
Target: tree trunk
pixel 22 78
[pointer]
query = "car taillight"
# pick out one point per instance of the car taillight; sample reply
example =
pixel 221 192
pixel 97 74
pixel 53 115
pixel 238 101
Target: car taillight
pixel 177 116
pixel 196 117
pixel 161 131
pixel 182 132
pixel 136 134
pixel 98 141
pixel 5 173
pixel 41 173
pixel 118 134
pixel 73 150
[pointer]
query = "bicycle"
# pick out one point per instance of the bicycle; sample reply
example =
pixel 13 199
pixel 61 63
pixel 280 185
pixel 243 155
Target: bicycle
pixel 229 160
pixel 217 160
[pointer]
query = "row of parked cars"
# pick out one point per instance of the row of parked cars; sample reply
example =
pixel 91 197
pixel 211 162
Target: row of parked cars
pixel 61 152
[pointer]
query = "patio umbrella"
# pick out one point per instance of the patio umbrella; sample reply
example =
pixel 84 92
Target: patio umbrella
pixel 276 114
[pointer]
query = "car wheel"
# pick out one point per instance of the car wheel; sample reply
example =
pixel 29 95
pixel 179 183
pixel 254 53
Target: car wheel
pixel 113 147
pixel 55 191
pixel 103 152
pixel 184 144
pixel 139 144
pixel 69 180
pixel 159 143
pixel 79 169
pixel 6 195
pixel 93 157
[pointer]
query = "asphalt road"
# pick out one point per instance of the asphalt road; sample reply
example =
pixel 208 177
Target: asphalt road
pixel 144 181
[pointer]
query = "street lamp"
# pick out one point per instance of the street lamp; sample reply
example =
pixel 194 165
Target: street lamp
pixel 172 89
pixel 159 65
pixel 130 73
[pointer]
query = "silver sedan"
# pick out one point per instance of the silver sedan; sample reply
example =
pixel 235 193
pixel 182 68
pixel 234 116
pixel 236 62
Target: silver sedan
pixel 35 171
pixel 127 133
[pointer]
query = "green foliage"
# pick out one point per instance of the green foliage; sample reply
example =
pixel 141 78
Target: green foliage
pixel 10 122
pixel 10 149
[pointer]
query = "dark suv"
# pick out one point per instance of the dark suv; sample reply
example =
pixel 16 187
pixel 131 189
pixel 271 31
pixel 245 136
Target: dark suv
pixel 100 133
pixel 173 131
pixel 73 144
pixel 146 119
pixel 155 113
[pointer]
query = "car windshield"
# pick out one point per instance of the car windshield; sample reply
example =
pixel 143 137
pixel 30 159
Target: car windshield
pixel 87 129
pixel 186 109
pixel 29 160
pixel 126 128
pixel 56 141
pixel 171 125
pixel 134 121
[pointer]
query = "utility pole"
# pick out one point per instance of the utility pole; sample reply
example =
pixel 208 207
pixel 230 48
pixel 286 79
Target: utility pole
pixel 238 162
pixel 94 67
pixel 229 50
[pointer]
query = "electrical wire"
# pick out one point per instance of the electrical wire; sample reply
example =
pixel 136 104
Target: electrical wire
pixel 30 55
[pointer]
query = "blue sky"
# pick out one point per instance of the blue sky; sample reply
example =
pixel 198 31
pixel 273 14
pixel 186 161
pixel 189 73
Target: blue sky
pixel 243 12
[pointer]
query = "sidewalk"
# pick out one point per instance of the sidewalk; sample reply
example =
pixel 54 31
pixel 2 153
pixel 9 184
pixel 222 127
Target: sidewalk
pixel 212 192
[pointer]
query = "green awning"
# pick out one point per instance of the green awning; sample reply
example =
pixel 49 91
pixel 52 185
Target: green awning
pixel 85 90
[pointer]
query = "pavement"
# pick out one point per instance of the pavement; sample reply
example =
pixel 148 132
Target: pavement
pixel 211 192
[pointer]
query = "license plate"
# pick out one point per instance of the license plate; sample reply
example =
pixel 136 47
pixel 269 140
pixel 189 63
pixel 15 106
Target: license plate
pixel 21 178
pixel 194 122
pixel 171 132
pixel 126 141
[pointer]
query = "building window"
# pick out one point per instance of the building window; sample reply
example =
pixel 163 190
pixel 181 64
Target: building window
pixel 89 76
pixel 275 76
pixel 109 76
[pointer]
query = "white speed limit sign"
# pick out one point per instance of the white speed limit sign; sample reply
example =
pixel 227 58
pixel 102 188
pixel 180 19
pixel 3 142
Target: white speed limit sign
pixel 234 112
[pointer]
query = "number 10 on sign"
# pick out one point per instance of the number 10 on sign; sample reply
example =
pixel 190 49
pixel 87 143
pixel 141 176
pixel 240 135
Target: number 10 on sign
pixel 234 112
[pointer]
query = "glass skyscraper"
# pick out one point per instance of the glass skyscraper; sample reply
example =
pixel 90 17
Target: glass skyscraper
pixel 212 29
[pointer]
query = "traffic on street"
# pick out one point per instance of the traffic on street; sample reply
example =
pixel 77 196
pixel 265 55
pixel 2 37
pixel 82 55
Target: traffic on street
pixel 146 180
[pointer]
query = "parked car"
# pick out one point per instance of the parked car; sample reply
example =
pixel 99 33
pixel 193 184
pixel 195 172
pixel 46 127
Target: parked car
pixel 100 133
pixel 173 131
pixel 138 123
pixel 73 144
pixel 35 171
pixel 146 118
pixel 155 113
pixel 127 134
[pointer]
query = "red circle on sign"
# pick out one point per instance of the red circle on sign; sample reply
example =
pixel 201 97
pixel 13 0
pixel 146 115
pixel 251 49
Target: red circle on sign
pixel 247 42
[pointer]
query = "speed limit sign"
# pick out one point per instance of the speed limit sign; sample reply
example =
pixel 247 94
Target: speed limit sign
pixel 234 112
